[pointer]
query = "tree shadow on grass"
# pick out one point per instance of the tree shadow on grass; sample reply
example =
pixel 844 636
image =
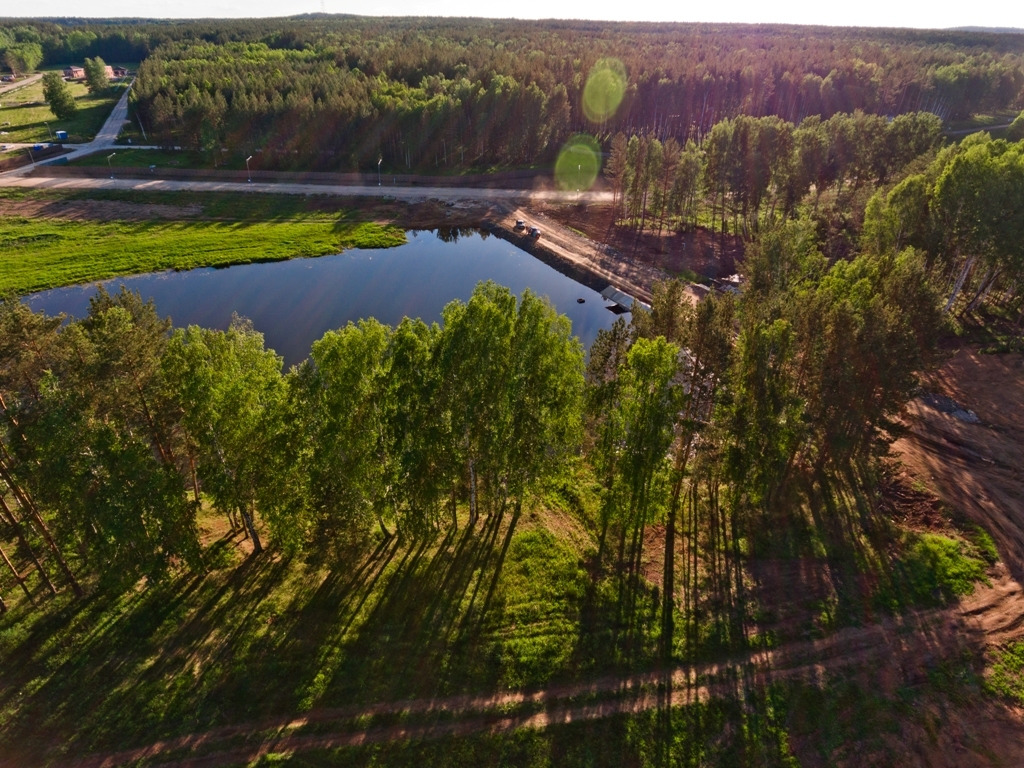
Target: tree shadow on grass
pixel 136 666
pixel 417 630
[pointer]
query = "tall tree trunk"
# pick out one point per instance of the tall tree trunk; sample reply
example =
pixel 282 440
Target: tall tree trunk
pixel 472 494
pixel 959 283
pixel 983 288
pixel 30 509
pixel 23 540
pixel 18 577
pixel 257 547
pixel 668 603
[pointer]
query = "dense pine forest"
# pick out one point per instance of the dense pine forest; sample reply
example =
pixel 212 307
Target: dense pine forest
pixel 340 93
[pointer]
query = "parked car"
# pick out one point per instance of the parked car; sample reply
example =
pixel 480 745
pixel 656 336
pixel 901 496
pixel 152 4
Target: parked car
pixel 520 224
pixel 534 232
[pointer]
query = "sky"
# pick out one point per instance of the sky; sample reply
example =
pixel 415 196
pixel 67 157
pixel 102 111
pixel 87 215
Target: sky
pixel 939 14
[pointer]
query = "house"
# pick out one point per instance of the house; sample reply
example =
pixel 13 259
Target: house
pixel 74 73
pixel 118 72
pixel 110 71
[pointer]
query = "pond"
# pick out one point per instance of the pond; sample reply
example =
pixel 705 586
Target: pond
pixel 293 303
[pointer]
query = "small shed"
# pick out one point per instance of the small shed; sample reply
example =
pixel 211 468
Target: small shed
pixel 74 73
pixel 61 135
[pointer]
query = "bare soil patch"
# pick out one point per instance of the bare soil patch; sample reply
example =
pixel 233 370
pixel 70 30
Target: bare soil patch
pixel 95 210
pixel 705 253
pixel 962 455
pixel 973 464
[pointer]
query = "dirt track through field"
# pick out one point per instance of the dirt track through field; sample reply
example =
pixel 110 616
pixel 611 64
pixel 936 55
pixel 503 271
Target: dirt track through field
pixel 901 650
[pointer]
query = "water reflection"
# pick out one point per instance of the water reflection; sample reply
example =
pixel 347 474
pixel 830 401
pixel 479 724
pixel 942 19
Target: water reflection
pixel 294 302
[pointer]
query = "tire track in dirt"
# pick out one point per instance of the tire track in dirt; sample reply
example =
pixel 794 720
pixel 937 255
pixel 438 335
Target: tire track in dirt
pixel 906 646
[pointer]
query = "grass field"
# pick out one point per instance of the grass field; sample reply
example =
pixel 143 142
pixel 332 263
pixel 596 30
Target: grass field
pixel 24 116
pixel 41 253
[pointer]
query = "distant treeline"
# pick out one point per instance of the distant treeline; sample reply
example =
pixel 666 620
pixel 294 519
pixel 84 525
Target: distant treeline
pixel 341 92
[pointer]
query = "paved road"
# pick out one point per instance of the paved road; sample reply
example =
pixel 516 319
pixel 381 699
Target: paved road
pixel 409 194
pixel 20 83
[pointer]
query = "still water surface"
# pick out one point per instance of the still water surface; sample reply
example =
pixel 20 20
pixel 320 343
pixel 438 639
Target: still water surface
pixel 294 302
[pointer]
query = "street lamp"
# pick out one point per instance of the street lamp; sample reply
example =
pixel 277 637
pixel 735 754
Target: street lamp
pixel 48 129
pixel 109 166
pixel 378 170
pixel 247 171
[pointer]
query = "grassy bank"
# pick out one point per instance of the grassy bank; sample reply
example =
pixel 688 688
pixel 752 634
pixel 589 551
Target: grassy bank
pixel 206 230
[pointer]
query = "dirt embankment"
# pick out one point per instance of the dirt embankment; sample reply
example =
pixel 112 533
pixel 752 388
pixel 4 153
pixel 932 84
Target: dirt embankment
pixel 966 441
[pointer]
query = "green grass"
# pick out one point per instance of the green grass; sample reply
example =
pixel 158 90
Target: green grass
pixel 933 570
pixel 476 612
pixel 982 121
pixel 126 157
pixel 1006 676
pixel 722 732
pixel 27 114
pixel 36 254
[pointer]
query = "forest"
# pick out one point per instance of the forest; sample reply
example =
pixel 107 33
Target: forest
pixel 343 92
pixel 403 476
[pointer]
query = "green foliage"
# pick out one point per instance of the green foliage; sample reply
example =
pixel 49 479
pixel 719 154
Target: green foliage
pixel 96 77
pixel 22 58
pixel 932 570
pixel 58 96
pixel 1005 677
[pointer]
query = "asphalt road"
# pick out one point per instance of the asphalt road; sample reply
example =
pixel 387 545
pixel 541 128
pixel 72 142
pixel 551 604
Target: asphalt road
pixel 408 194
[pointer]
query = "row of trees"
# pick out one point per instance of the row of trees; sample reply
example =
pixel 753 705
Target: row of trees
pixel 701 418
pixel 888 180
pixel 755 170
pixel 115 429
pixel 965 210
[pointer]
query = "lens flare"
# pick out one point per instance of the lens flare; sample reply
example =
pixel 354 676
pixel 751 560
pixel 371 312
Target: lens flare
pixel 578 163
pixel 604 90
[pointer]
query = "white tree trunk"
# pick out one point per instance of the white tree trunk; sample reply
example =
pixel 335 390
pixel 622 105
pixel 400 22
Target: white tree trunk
pixel 959 283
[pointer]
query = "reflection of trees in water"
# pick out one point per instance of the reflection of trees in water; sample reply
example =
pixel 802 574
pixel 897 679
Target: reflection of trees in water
pixel 452 234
